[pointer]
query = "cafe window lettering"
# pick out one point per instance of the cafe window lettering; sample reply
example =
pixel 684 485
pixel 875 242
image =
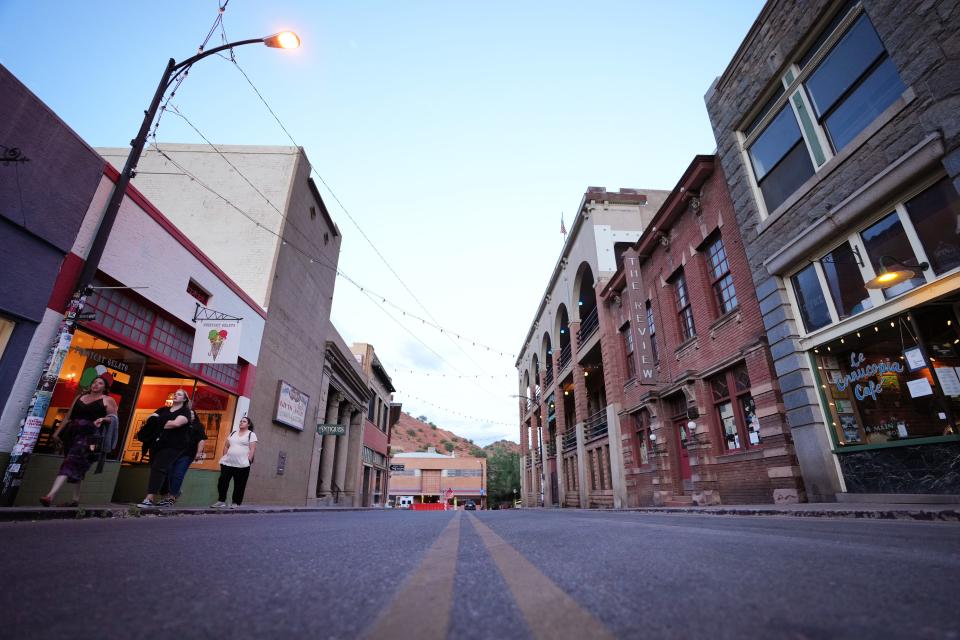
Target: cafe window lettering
pixel 896 380
pixel 915 243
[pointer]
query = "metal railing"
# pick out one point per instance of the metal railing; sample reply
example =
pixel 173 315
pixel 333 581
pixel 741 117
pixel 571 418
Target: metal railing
pixel 569 440
pixel 565 354
pixel 551 448
pixel 548 378
pixel 595 426
pixel 588 327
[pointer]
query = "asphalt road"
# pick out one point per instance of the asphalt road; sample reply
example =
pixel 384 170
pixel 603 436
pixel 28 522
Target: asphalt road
pixel 506 574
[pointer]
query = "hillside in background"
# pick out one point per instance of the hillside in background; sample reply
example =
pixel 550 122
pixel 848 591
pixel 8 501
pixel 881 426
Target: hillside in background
pixel 412 434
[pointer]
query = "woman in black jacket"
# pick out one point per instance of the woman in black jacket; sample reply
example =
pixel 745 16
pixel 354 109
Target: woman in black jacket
pixel 173 441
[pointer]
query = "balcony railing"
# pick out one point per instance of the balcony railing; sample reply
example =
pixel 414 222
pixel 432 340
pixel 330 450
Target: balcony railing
pixel 569 440
pixel 548 378
pixel 595 426
pixel 565 354
pixel 551 448
pixel 588 327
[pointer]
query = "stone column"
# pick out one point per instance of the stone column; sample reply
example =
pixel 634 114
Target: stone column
pixel 561 430
pixel 325 475
pixel 354 466
pixel 580 410
pixel 582 467
pixel 340 471
pixel 544 468
pixel 561 474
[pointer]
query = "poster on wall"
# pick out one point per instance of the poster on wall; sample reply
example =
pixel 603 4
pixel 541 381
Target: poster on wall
pixel 291 409
pixel 216 342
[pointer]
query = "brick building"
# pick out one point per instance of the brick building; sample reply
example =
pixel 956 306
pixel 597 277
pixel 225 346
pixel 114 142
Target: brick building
pixel 376 428
pixel 565 415
pixel 838 130
pixel 685 356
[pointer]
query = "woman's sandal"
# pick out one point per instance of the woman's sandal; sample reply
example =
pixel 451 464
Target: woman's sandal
pixel 45 501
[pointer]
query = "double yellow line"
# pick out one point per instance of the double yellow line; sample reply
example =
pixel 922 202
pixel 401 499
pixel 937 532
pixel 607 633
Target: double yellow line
pixel 421 609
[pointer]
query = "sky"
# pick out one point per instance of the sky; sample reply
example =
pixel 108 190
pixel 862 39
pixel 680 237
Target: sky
pixel 454 134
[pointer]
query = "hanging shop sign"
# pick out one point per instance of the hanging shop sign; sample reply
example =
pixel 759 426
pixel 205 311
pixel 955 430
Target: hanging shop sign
pixel 862 375
pixel 398 467
pixel 216 342
pixel 291 408
pixel 332 429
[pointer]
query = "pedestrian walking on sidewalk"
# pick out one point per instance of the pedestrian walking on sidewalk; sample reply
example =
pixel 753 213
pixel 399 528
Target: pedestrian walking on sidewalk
pixel 238 453
pixel 173 441
pixel 89 426
pixel 172 486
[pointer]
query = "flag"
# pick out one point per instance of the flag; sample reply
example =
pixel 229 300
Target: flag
pixel 563 227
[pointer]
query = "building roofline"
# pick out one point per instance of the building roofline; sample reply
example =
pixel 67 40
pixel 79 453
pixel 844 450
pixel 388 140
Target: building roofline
pixel 745 45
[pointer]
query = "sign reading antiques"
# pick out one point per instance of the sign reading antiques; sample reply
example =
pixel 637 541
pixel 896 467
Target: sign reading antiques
pixel 216 342
pixel 332 429
pixel 291 408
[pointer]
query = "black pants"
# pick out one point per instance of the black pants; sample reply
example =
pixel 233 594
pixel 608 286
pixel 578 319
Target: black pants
pixel 161 463
pixel 239 475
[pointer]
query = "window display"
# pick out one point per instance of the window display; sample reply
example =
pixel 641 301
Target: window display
pixel 895 380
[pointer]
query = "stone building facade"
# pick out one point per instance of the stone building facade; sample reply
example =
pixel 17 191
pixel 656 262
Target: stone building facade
pixel 838 130
pixel 685 357
pixel 565 415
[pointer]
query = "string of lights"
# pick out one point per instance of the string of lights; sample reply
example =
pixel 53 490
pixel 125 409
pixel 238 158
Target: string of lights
pixel 313 258
pixel 458 414
pixel 435 374
pixel 313 170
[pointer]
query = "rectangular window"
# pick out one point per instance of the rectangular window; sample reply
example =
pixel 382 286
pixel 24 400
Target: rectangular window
pixel 609 469
pixel 935 215
pixel 842 271
pixel 735 409
pixel 652 332
pixel 643 437
pixel 723 290
pixel 888 247
pixel 6 330
pixel 198 292
pixel 853 84
pixel 627 336
pixel 813 306
pixel 780 159
pixel 684 312
pixel 850 87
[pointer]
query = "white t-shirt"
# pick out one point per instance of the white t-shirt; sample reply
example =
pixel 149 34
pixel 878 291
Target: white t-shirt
pixel 238 454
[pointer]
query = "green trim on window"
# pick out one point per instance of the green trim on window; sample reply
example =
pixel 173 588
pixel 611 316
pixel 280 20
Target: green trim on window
pixel 788 78
pixel 823 400
pixel 808 128
pixel 907 442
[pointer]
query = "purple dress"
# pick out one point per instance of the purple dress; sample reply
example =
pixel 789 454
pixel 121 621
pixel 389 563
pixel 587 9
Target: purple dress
pixel 77 461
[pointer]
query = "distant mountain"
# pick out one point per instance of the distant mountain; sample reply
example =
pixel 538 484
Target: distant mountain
pixel 415 434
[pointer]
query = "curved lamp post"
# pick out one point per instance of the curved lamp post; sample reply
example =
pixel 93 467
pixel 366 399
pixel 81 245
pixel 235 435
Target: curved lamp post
pixel 40 402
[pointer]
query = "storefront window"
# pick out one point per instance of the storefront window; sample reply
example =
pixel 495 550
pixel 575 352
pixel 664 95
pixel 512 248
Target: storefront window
pixel 736 411
pixel 214 409
pixel 935 214
pixel 6 330
pixel 89 356
pixel 888 246
pixel 895 380
pixel 842 272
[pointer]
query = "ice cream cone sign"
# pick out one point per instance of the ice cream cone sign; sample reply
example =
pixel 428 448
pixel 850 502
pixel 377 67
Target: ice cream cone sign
pixel 216 338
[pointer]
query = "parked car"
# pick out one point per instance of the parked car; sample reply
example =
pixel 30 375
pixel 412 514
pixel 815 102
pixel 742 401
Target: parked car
pixel 469 505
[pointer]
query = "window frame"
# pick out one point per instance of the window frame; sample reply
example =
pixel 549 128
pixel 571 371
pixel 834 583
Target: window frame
pixel 877 297
pixel 629 349
pixel 794 94
pixel 684 308
pixel 717 281
pixel 735 398
pixel 641 433
pixel 652 332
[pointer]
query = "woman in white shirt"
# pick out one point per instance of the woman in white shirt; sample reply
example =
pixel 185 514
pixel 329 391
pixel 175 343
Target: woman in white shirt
pixel 238 452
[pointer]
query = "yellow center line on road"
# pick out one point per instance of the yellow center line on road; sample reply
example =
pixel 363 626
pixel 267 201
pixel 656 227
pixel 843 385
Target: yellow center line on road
pixel 421 609
pixel 547 609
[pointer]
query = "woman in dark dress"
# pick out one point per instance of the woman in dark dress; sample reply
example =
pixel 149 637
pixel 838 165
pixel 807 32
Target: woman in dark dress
pixel 89 411
pixel 173 441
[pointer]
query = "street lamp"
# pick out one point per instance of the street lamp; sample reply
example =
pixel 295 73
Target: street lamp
pixel 40 401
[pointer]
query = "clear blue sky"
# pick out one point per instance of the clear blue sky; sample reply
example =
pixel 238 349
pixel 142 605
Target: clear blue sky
pixel 455 133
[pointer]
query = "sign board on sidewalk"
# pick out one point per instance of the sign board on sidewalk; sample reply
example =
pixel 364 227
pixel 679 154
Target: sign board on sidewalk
pixel 332 429
pixel 398 467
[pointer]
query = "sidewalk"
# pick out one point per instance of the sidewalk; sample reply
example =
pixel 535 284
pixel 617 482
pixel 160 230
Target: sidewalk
pixel 15 514
pixel 880 511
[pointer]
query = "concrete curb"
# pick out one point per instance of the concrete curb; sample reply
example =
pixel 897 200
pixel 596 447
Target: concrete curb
pixel 121 511
pixel 928 515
